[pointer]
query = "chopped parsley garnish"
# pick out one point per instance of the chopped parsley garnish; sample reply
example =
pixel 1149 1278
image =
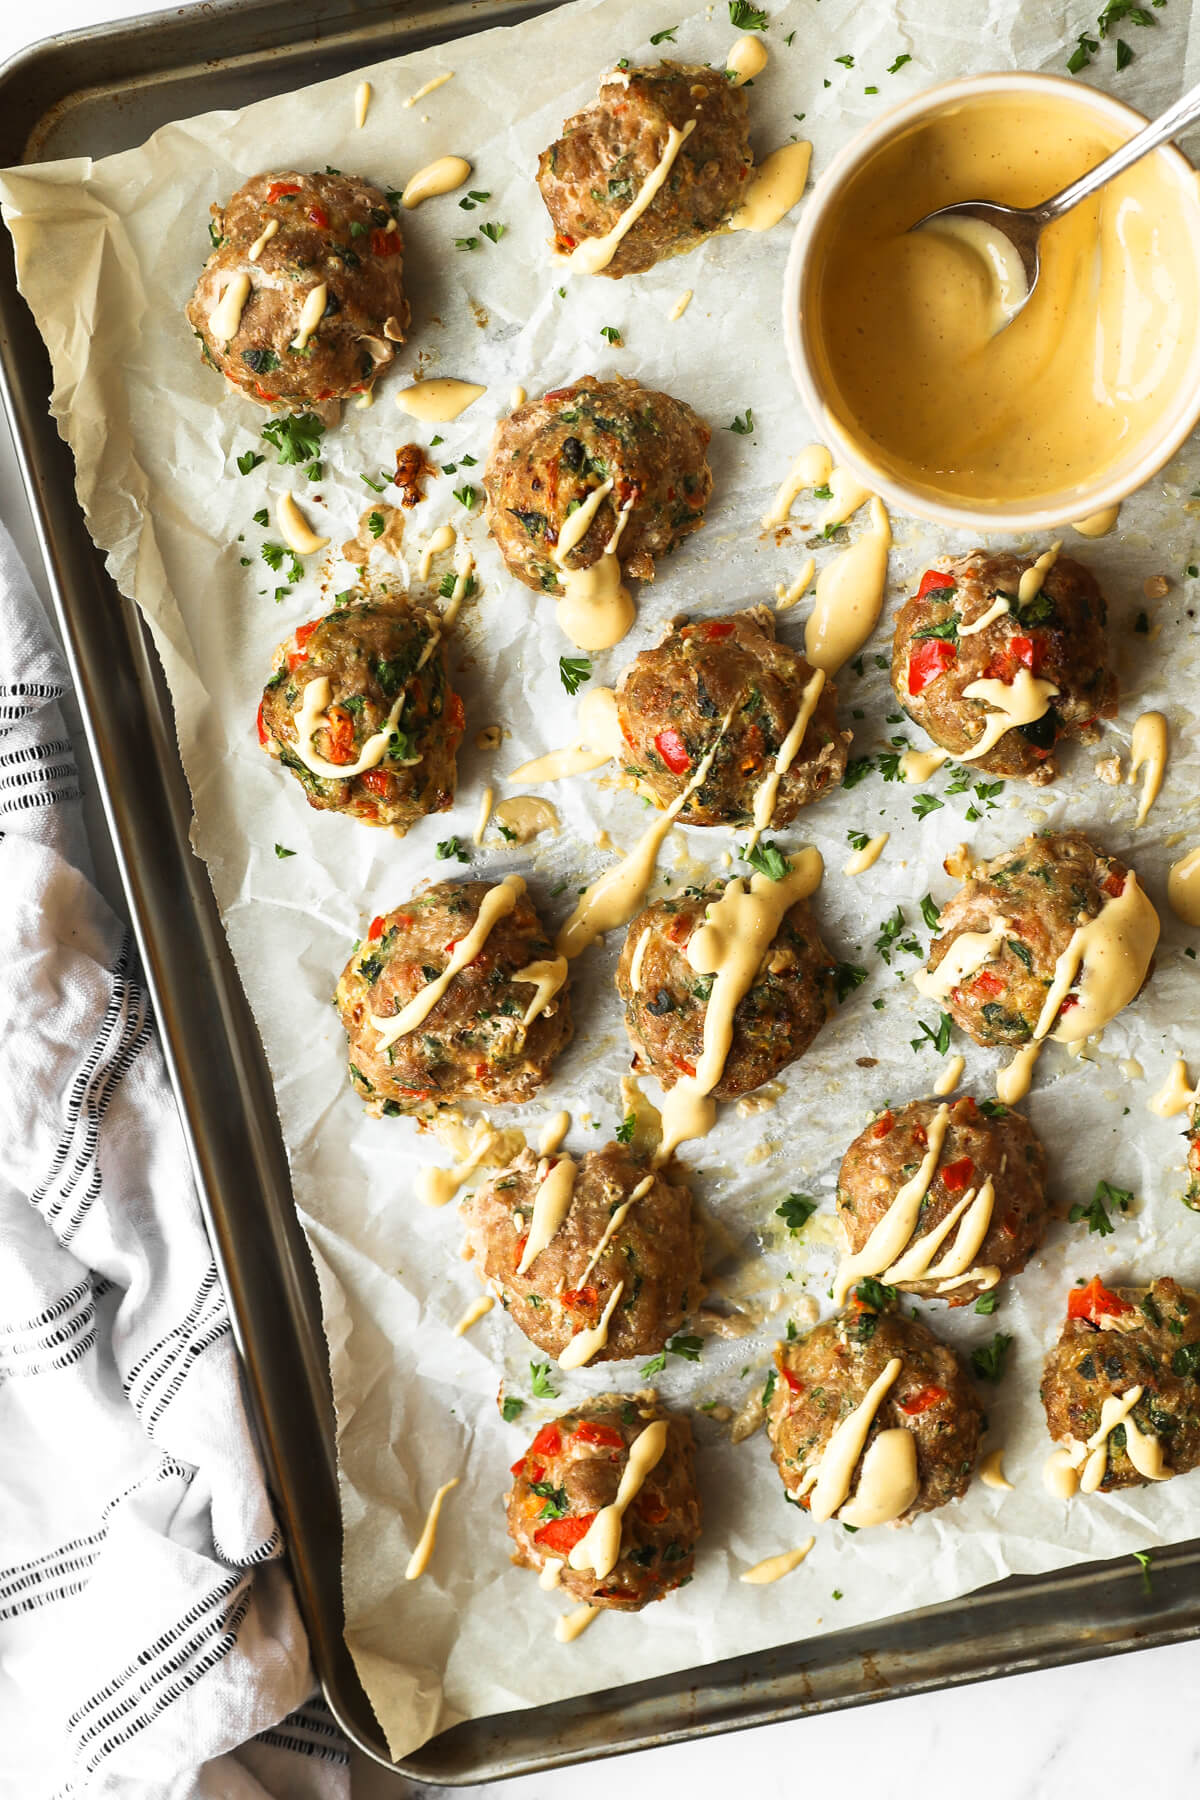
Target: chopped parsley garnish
pixel 988 1360
pixel 688 1348
pixel 452 847
pixel 746 18
pixel 985 796
pixel 296 438
pixel 274 555
pixel 664 37
pixel 857 840
pixel 376 487
pixel 796 1211
pixel 466 495
pixel 898 64
pixel 539 1378
pixel 767 859
pixel 847 62
pixel 627 1127
pixel 555 1498
pixel 250 460
pixel 449 582
pixel 872 1293
pixel 375 524
pixel 1143 1558
pixel 573 671
pixel 613 334
pixel 473 199
pixel 467 243
pixel 930 912
pixel 857 769
pixel 262 516
pixel 281 852
pixel 986 1303
pixel 506 832
pixel 993 1109
pixel 924 804
pixel 940 1039
pixel 742 423
pixel 769 1388
pixel 948 629
pixel 511 1408
pixel 890 937
pixel 493 232
pixel 1096 1212
pixel 846 977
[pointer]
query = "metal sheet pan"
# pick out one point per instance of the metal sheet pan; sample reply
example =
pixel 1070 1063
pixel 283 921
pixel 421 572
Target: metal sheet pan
pixel 105 89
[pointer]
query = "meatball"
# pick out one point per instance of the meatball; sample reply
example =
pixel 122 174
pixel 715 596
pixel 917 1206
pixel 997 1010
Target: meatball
pixel 607 152
pixel 1191 1197
pixel 653 1252
pixel 1040 891
pixel 385 710
pixel 988 1143
pixel 1112 1342
pixel 551 453
pixel 825 1375
pixel 493 1032
pixel 287 240
pixel 573 1469
pixel 1059 636
pixel 671 702
pixel 665 1000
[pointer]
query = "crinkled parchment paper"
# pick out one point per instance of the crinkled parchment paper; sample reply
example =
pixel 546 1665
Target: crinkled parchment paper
pixel 108 252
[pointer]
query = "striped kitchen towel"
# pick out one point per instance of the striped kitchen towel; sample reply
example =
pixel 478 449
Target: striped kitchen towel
pixel 150 1644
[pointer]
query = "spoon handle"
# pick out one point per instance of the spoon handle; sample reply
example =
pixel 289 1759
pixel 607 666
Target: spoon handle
pixel 1177 118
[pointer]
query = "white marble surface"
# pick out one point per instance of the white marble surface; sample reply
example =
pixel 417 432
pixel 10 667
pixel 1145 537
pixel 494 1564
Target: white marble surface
pixel 1097 1728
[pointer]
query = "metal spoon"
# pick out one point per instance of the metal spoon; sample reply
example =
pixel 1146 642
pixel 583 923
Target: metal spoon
pixel 1009 235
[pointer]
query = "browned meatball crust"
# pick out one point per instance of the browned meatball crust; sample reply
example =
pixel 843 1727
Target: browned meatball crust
pixel 1114 1340
pixel 605 154
pixel 573 1468
pixel 822 1378
pixel 474 1042
pixel 1042 889
pixel 1059 636
pixel 335 230
pixel 776 1019
pixel 549 455
pixel 654 1253
pixel 988 1143
pixel 383 650
pixel 672 700
pixel 1191 1197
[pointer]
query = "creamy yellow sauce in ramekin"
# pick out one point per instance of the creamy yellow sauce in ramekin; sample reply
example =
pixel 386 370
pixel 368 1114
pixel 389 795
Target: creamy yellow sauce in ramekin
pixel 901 323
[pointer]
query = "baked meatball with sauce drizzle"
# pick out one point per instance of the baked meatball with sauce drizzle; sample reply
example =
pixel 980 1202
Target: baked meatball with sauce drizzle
pixel 385 709
pixel 983 1144
pixel 302 302
pixel 1114 1342
pixel 1026 904
pixel 653 1252
pixel 665 1000
pixel 571 1472
pixel 672 702
pixel 825 1376
pixel 550 454
pixel 941 649
pixel 496 1026
pixel 607 153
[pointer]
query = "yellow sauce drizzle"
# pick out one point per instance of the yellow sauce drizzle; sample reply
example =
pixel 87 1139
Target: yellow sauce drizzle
pixel 1097 524
pixel 551 1575
pixel 767 792
pixel 547 977
pixel 1015 703
pixel 294 528
pixel 899 1222
pixel 991 1472
pixel 1183 888
pixel 524 817
pixel 443 539
pixel 517 397
pixel 1142 1447
pixel 311 717
pixel 635 965
pixel 437 1186
pixel 747 59
pixel 616 1220
pixel 1177 1093
pixel 868 856
pixel 849 596
pixel 226 316
pixel 263 239
pixel 439 399
pixel 552 1203
pixel 811 468
pixel 594 254
pixel 966 955
pixel 477 1310
pixel 553 1133
pixel 846 495
pixel 773 1568
pixel 440 177
pixel 600 1549
pixel 584 1345
pixel 950 1076
pixel 1030 585
pixel 418 1562
pixel 731 946
pixel 429 88
pixel 558 763
pixel 362 100
pixel 786 597
pixel 680 306
pixel 311 314
pixel 1059 1475
pixel 595 608
pixel 888 1483
pixel 496 904
pixel 830 1478
pixel 486 802
pixel 574 1623
pixel 996 610
pixel 1148 749
pixel 774 189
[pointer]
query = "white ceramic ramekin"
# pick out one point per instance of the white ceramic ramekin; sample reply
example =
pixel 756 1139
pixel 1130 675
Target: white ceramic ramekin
pixel 1180 409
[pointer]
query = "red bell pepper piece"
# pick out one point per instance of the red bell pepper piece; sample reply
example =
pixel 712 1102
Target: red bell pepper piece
pixel 579 1298
pixel 375 930
pixel 1093 1301
pixel 548 1442
pixel 377 782
pixel 933 579
pixel 795 1385
pixel 262 730
pixel 588 1432
pixel 278 189
pixel 673 750
pixel 922 1401
pixel 716 628
pixel 339 732
pixel 1114 885
pixel 561 1535
pixel 386 243
pixel 956 1175
pixel 986 983
pixel 931 658
pixel 319 217
pixel 882 1126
